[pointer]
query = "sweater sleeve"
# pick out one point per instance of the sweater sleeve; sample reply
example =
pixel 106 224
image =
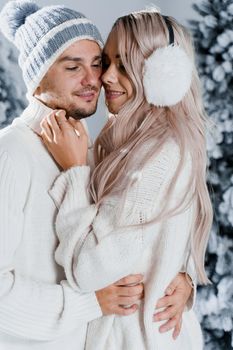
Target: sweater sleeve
pixel 30 309
pixel 113 257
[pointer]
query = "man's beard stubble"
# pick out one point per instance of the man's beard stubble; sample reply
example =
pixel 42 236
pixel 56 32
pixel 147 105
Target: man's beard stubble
pixel 70 108
pixel 80 113
pixel 76 113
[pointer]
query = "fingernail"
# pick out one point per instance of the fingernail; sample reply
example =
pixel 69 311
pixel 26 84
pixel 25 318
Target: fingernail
pixel 59 112
pixel 168 291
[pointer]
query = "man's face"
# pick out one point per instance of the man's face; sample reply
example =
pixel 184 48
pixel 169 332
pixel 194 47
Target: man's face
pixel 73 81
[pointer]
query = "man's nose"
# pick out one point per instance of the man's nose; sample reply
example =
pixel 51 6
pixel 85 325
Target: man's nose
pixel 91 77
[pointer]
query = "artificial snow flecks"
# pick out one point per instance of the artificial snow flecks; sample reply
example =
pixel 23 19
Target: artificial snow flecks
pixel 226 207
pixel 213 36
pixel 136 175
pixel 12 88
pixel 210 21
pixel 218 74
pixel 3 108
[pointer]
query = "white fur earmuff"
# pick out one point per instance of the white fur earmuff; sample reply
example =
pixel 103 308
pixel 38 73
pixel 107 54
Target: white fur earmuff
pixel 167 76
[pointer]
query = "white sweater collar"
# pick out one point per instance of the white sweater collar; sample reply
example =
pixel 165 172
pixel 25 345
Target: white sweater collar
pixel 36 111
pixel 34 114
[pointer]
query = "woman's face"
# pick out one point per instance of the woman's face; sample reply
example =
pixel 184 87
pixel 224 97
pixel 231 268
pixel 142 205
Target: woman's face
pixel 118 88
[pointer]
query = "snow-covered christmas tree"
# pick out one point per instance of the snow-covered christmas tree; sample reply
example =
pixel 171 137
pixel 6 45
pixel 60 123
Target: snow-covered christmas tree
pixel 213 36
pixel 12 88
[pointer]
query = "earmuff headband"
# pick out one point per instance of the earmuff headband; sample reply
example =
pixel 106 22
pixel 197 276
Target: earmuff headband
pixel 170 30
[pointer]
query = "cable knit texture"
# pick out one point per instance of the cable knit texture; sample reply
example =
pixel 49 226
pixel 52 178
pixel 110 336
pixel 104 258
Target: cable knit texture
pixel 38 308
pixel 98 246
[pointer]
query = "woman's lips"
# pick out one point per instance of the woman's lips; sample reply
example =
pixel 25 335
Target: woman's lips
pixel 112 95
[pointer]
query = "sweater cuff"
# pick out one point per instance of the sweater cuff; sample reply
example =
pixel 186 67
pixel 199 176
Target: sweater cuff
pixel 80 307
pixel 192 299
pixel 73 184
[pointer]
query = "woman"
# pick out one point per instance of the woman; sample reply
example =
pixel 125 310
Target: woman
pixel 151 210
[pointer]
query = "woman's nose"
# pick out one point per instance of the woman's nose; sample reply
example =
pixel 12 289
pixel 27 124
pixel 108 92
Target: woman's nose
pixel 109 76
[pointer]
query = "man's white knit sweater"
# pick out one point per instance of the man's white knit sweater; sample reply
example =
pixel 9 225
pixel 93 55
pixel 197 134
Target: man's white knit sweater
pixel 38 309
pixel 101 245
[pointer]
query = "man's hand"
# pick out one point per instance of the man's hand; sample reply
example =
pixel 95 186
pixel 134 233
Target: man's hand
pixel 121 297
pixel 174 302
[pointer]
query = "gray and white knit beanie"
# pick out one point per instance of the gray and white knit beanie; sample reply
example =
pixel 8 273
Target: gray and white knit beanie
pixel 42 35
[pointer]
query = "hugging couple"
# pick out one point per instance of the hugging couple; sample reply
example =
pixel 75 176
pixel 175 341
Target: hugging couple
pixel 101 246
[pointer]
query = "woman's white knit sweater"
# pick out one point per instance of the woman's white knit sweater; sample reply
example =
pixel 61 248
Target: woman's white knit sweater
pixel 99 246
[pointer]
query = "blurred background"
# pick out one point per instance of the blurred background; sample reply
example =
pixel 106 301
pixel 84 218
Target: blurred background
pixel 211 23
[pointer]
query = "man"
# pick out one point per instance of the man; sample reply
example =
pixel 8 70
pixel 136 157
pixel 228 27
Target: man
pixel 60 56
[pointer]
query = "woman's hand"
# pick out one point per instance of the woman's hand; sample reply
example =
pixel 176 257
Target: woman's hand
pixel 174 302
pixel 66 140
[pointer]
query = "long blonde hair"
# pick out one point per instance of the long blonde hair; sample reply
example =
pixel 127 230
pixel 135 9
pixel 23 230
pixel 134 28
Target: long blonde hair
pixel 138 35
